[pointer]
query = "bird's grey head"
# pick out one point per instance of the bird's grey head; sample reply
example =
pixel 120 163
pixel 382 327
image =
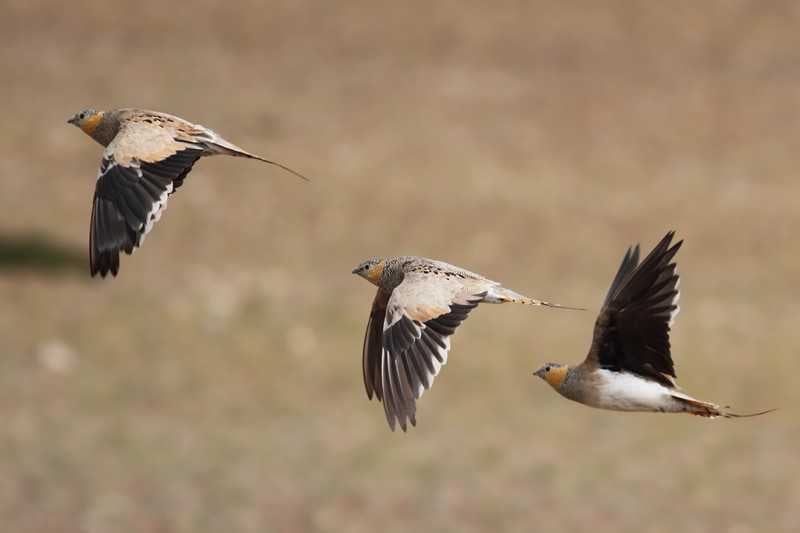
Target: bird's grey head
pixel 371 269
pixel 82 116
pixel 553 373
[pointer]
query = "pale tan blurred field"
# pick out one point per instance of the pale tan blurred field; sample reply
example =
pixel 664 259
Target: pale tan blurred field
pixel 216 384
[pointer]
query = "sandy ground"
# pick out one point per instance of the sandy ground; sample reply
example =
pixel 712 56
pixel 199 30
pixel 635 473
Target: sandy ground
pixel 215 385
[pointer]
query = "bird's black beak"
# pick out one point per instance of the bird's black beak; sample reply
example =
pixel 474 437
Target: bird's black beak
pixel 72 121
pixel 355 271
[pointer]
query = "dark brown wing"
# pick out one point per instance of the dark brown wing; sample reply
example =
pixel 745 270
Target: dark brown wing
pixel 413 354
pixel 632 330
pixel 373 345
pixel 407 342
pixel 627 266
pixel 128 200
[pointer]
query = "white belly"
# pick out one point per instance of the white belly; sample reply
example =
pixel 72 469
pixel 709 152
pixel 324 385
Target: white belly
pixel 627 392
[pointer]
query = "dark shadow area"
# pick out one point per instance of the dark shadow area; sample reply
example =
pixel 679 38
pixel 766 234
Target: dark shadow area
pixel 39 253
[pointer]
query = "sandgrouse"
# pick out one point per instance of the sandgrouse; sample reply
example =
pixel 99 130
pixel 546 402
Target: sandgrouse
pixel 148 155
pixel 419 304
pixel 629 366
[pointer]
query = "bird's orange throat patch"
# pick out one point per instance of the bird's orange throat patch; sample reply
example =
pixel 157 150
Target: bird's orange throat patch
pixel 375 272
pixel 556 376
pixel 89 124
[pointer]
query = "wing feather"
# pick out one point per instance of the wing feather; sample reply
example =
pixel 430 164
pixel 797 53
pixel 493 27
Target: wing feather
pixel 130 195
pixel 417 320
pixel 371 351
pixel 632 329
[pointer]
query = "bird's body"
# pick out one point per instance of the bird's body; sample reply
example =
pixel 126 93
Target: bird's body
pixel 629 366
pixel 147 156
pixel 419 304
pixel 618 391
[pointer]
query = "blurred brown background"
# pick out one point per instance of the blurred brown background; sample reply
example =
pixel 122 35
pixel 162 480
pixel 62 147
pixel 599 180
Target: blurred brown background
pixel 215 385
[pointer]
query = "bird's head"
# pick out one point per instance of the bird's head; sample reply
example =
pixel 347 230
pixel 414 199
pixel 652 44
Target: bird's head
pixel 371 269
pixel 553 373
pixel 86 119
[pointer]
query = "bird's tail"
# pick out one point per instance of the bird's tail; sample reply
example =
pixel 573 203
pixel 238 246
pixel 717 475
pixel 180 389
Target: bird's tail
pixel 500 295
pixel 712 410
pixel 226 148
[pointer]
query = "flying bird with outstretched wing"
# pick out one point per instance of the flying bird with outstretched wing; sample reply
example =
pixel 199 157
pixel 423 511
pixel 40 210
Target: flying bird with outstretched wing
pixel 148 155
pixel 419 304
pixel 629 366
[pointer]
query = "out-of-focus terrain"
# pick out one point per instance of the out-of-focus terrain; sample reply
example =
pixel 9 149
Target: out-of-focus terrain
pixel 215 385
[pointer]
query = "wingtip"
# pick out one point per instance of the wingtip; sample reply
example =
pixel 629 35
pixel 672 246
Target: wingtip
pixel 103 269
pixel 404 424
pixel 666 241
pixel 401 420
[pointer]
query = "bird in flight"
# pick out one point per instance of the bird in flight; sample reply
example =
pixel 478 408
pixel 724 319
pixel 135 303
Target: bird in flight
pixel 148 155
pixel 419 304
pixel 629 366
